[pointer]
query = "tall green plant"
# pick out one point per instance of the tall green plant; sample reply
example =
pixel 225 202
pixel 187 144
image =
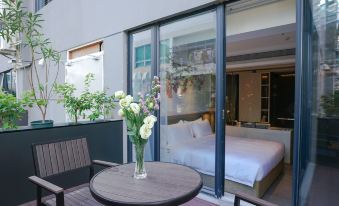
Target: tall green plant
pixel 95 103
pixel 11 109
pixel 22 29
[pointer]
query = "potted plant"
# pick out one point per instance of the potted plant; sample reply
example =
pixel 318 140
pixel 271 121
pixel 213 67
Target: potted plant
pixel 95 103
pixel 11 109
pixel 21 29
pixel 140 121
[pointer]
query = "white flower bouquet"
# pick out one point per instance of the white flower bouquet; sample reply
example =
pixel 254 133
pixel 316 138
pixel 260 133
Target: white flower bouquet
pixel 140 121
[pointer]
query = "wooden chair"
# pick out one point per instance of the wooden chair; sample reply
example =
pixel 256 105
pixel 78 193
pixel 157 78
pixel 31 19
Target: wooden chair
pixel 57 158
pixel 250 199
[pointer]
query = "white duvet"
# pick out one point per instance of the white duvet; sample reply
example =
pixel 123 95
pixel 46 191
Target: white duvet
pixel 246 160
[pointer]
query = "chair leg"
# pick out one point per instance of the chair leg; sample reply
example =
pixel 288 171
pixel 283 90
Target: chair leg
pixel 38 195
pixel 60 199
pixel 236 201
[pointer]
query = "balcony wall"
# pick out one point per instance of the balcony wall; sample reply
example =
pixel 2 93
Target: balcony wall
pixel 105 140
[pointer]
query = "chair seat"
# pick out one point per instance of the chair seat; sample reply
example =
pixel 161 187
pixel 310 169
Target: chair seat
pixel 79 195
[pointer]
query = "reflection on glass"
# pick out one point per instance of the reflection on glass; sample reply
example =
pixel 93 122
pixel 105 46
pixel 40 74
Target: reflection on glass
pixel 141 62
pixel 8 82
pixel 141 74
pixel 187 72
pixel 320 143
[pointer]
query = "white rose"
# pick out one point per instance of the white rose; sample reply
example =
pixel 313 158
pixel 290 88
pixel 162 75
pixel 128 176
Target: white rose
pixel 125 102
pixel 135 108
pixel 119 94
pixel 121 113
pixel 145 132
pixel 129 99
pixel 150 120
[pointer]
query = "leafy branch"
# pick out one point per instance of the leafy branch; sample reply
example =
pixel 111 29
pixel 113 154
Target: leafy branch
pixel 97 103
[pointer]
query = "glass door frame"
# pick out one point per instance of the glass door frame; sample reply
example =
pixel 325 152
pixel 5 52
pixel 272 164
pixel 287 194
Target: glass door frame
pixel 303 24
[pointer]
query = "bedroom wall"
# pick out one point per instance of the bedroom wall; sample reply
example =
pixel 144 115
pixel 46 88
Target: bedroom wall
pixel 249 97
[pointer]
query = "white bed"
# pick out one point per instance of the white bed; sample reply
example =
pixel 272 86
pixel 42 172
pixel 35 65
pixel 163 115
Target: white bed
pixel 247 160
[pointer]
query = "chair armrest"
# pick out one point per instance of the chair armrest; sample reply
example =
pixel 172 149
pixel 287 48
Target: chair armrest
pixel 251 199
pixel 46 185
pixel 104 163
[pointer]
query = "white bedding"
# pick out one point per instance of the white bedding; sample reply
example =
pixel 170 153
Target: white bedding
pixel 247 160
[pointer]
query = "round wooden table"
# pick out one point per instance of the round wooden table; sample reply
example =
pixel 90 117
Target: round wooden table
pixel 166 184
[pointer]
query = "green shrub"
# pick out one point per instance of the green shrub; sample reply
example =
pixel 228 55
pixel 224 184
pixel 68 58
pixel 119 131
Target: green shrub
pixel 11 109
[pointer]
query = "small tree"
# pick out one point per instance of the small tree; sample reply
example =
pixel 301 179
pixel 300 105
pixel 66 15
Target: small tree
pixel 21 29
pixel 97 103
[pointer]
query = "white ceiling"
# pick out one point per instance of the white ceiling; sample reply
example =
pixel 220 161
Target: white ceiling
pixel 275 38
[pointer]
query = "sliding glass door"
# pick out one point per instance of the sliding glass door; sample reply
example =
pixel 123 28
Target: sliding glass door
pixel 188 54
pixel 187 74
pixel 317 143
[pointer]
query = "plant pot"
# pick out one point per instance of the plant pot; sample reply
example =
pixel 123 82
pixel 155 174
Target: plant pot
pixel 42 124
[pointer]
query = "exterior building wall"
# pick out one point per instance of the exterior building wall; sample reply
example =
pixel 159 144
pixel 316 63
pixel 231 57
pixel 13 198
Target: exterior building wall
pixel 71 24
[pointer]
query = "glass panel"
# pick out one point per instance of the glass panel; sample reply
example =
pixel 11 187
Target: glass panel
pixel 187 74
pixel 320 135
pixel 139 54
pixel 232 88
pixel 141 71
pixel 148 53
pixel 141 74
pixel 256 48
pixel 164 51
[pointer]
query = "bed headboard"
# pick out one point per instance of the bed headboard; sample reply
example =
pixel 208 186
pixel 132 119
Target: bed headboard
pixel 209 115
pixel 188 117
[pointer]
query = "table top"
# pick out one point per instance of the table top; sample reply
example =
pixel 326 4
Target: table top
pixel 166 184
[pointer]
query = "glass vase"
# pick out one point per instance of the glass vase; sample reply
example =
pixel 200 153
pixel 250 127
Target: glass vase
pixel 139 171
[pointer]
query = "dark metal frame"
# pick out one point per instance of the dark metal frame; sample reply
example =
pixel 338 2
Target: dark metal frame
pixel 303 93
pixel 298 99
pixel 220 102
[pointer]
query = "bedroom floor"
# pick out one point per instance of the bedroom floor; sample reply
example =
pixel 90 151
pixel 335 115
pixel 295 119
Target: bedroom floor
pixel 281 191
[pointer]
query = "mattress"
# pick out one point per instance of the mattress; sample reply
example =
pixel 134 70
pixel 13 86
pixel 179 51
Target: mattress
pixel 246 160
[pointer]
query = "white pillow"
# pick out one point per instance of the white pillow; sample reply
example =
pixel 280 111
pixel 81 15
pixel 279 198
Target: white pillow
pixel 201 129
pixel 178 133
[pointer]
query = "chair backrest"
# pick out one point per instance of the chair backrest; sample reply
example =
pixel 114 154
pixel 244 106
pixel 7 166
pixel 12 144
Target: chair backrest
pixel 61 156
